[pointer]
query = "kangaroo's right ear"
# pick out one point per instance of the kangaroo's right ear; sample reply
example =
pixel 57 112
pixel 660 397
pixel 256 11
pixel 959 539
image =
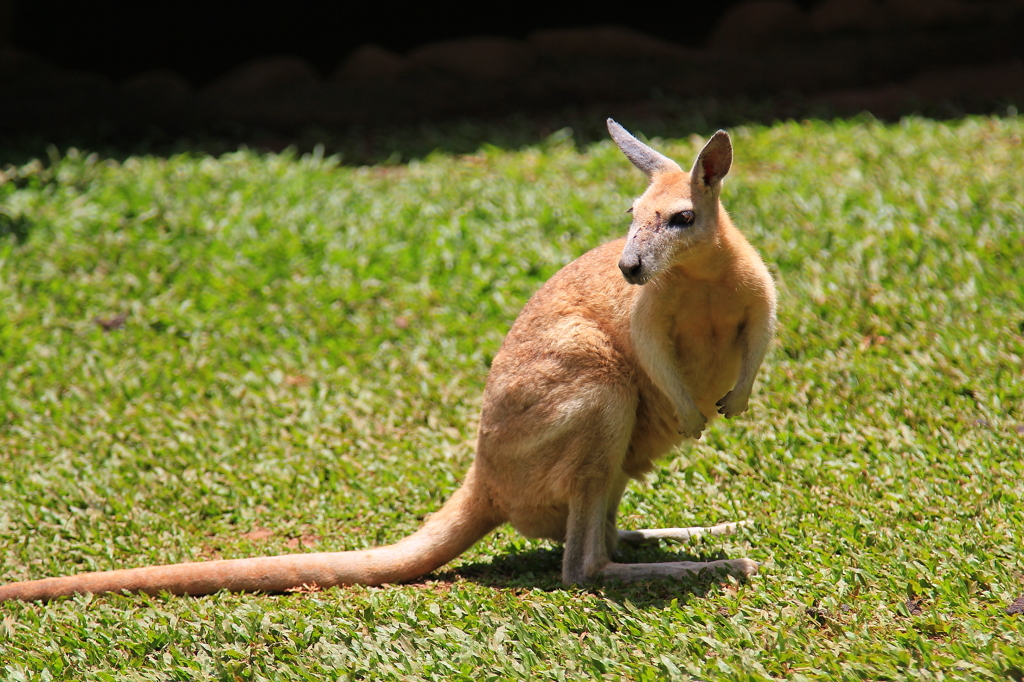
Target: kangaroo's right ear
pixel 643 157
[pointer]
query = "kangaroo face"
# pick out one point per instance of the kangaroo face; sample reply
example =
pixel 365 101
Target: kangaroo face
pixel 668 224
pixel 678 216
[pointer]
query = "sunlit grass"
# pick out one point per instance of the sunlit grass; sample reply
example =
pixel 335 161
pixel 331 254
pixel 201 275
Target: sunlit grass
pixel 294 360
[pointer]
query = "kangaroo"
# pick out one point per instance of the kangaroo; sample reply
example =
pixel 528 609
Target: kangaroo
pixel 606 369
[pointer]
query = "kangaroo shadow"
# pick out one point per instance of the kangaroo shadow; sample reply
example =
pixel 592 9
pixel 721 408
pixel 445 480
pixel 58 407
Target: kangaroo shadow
pixel 539 568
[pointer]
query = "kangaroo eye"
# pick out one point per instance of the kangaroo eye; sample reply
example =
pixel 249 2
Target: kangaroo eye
pixel 681 219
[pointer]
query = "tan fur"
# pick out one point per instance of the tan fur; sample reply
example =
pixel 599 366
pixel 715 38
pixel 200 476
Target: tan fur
pixel 597 378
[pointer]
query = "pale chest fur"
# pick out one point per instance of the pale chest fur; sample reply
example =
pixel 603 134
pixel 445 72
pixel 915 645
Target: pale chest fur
pixel 705 329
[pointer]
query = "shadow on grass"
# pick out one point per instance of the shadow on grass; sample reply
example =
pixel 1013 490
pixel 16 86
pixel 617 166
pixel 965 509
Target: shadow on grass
pixel 400 143
pixel 391 144
pixel 540 569
pixel 13 226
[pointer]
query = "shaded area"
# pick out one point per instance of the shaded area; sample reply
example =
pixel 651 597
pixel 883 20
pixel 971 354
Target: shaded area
pixel 428 82
pixel 16 226
pixel 397 143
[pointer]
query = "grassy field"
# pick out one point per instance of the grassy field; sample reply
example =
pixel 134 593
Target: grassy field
pixel 210 358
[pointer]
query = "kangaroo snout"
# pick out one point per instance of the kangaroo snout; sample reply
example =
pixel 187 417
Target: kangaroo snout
pixel 632 267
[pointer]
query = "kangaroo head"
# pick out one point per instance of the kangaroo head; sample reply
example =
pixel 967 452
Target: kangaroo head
pixel 677 218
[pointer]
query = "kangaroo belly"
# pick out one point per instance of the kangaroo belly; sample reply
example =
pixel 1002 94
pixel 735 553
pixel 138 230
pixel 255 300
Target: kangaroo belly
pixel 710 367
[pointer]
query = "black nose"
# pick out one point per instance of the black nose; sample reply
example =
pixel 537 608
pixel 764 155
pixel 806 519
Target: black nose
pixel 630 268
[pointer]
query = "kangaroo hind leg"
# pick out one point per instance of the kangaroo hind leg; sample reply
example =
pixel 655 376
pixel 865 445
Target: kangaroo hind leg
pixel 586 547
pixel 740 568
pixel 652 536
pixel 595 482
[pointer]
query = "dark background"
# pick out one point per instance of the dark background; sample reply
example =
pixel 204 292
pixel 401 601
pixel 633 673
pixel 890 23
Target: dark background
pixel 155 77
pixel 202 40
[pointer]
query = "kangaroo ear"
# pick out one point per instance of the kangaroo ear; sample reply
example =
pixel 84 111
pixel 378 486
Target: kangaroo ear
pixel 642 156
pixel 713 162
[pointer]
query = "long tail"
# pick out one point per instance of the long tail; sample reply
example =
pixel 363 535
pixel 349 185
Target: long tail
pixel 464 519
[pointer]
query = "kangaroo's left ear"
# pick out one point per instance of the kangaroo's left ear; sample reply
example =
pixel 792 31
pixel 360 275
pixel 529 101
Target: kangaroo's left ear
pixel 713 162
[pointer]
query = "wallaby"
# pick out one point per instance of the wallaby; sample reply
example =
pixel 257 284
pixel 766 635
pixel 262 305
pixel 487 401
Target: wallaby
pixel 606 369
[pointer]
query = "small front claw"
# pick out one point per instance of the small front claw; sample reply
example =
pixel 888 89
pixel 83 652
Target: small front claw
pixel 732 404
pixel 692 426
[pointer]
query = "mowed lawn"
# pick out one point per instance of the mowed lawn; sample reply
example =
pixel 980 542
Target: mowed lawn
pixel 206 358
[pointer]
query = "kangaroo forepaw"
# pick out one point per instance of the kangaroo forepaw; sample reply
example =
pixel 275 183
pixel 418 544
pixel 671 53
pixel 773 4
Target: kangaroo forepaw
pixel 733 404
pixel 692 424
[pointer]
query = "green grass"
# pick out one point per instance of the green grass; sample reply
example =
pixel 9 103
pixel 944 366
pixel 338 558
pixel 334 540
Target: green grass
pixel 303 351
